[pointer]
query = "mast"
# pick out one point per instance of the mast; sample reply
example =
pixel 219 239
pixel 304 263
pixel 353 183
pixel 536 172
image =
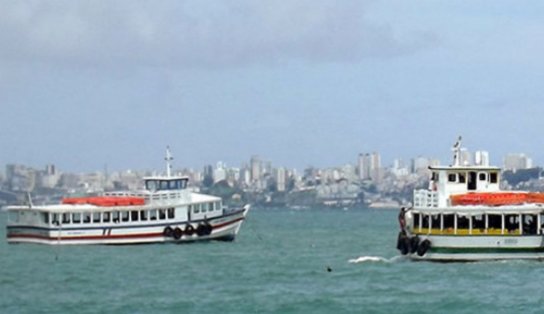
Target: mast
pixel 457 152
pixel 168 159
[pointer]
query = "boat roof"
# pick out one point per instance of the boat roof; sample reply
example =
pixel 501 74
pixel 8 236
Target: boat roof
pixel 166 178
pixel 196 198
pixel 464 168
pixel 483 209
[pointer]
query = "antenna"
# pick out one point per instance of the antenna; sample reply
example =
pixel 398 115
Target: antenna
pixel 29 199
pixel 168 159
pixel 457 152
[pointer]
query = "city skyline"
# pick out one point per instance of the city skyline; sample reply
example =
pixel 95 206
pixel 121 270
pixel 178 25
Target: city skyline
pixel 364 163
pixel 85 84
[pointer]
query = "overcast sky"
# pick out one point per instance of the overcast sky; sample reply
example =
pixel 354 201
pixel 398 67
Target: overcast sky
pixel 316 82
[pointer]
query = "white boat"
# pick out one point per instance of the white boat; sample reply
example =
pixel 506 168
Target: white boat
pixel 165 211
pixel 465 216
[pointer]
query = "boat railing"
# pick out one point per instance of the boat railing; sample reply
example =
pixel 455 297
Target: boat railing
pixel 425 198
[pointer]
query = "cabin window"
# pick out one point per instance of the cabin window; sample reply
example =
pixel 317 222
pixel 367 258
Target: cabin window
pixel 76 218
pixel 462 222
pixel 134 215
pixel 54 220
pixel 425 222
pixel 452 177
pixel 449 222
pixel 162 214
pixel 196 208
pixel 171 213
pixel 151 185
pixel 511 223
pixel 417 220
pixel 143 215
pixel 124 216
pixel 45 218
pixel 164 185
pixel 462 178
pixel 435 221
pixel 483 176
pixel 494 222
pixel 204 207
pixel 86 218
pixel 174 185
pixel 529 224
pixel 153 214
pixel 217 205
pixel 478 224
pixel 115 217
pixel 493 177
pixel 106 217
pixel 66 218
pixel 434 177
pixel 96 217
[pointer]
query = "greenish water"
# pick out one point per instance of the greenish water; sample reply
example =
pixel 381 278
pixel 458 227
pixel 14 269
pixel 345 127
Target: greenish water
pixel 278 264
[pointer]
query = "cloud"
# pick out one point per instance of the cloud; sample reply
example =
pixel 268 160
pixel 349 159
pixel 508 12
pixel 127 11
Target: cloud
pixel 195 33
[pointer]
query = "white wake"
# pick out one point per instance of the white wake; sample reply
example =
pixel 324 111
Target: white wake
pixel 374 259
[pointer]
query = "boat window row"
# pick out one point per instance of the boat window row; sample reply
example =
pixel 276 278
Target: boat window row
pixel 162 185
pixel 109 217
pixel 461 177
pixel 513 224
pixel 205 207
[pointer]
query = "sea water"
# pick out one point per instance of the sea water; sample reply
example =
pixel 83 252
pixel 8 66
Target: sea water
pixel 283 261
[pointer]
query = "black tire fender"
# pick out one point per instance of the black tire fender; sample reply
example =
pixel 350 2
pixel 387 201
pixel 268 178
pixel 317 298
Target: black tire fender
pixel 168 232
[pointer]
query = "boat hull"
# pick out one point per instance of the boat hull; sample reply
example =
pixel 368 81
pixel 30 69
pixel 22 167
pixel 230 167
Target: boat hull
pixel 481 248
pixel 223 228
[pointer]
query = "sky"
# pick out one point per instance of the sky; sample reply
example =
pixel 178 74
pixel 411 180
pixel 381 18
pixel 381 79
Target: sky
pixel 85 84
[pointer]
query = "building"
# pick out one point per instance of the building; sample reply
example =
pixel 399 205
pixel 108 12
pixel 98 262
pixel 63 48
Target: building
pixel 481 158
pixel 255 167
pixel 517 161
pixel 281 179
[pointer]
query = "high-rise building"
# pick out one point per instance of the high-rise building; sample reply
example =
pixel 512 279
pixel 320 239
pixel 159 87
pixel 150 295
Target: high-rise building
pixel 517 161
pixel 481 158
pixel 280 179
pixel 220 172
pixel 369 167
pixel 376 172
pixel 255 164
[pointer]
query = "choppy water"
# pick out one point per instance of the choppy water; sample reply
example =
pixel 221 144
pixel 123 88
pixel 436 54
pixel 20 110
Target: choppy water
pixel 278 264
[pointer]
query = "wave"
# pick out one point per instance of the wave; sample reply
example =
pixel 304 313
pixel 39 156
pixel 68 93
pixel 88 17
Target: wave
pixel 374 259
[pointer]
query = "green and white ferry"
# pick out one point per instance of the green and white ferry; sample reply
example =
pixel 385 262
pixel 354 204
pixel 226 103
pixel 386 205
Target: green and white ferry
pixel 465 216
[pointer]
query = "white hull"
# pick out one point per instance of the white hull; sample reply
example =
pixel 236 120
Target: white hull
pixel 481 248
pixel 472 257
pixel 224 227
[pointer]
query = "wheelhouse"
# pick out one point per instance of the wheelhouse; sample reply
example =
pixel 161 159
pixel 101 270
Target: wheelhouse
pixel 154 184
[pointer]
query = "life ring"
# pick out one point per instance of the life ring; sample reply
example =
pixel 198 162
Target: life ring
pixel 414 244
pixel 177 233
pixel 189 229
pixel 423 247
pixel 167 232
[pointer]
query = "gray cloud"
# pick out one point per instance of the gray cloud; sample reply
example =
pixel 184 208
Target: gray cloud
pixel 195 33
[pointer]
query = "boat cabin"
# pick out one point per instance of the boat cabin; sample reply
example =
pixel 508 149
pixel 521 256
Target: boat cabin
pixel 447 181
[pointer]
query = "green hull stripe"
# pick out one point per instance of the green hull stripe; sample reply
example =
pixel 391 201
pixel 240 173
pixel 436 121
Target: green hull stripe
pixel 474 250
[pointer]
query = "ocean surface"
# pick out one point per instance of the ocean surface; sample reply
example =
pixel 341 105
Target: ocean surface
pixel 278 264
